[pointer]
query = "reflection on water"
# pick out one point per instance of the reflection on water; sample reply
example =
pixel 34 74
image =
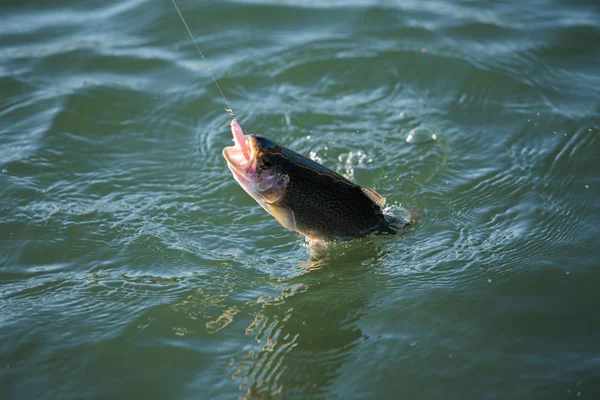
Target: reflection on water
pixel 313 318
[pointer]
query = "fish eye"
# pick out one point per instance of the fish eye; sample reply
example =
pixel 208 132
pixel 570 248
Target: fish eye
pixel 265 162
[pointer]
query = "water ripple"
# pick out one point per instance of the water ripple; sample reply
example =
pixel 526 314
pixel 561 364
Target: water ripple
pixel 123 232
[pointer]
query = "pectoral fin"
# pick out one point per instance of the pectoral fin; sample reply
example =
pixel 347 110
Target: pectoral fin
pixel 374 196
pixel 283 215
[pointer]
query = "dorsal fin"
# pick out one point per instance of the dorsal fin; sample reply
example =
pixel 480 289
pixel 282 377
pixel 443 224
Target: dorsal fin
pixel 374 196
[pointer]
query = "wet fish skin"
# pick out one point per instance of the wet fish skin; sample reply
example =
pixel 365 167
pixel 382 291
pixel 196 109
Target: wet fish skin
pixel 303 195
pixel 325 205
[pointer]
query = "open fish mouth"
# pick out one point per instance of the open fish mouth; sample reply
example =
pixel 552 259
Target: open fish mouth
pixel 241 156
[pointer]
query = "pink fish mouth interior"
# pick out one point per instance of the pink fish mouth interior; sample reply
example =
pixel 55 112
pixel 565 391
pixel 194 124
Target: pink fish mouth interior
pixel 240 156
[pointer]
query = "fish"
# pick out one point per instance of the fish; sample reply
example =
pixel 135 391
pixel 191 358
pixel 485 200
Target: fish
pixel 305 196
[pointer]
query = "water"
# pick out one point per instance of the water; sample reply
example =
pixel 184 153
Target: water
pixel 132 265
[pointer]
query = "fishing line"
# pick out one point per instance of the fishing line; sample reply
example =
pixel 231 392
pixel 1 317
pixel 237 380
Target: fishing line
pixel 228 109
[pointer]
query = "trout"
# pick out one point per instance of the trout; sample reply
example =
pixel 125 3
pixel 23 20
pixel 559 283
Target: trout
pixel 303 195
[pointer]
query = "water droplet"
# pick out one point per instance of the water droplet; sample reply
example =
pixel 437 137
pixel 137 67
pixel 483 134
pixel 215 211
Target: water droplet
pixel 587 187
pixel 4 171
pixel 307 137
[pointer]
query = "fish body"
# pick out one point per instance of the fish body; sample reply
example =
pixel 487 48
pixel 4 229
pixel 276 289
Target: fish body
pixel 303 195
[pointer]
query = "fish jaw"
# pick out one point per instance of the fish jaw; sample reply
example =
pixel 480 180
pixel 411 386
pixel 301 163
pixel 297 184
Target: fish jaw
pixel 242 160
pixel 265 184
pixel 240 139
pixel 240 157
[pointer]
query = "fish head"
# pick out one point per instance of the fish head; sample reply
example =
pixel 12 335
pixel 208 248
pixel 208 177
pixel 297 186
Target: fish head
pixel 257 166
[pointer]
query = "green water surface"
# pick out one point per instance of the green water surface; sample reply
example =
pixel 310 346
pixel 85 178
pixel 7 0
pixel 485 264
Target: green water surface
pixel 132 266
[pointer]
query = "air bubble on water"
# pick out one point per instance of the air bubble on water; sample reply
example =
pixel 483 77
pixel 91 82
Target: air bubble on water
pixel 420 135
pixel 307 137
pixel 4 171
pixel 587 187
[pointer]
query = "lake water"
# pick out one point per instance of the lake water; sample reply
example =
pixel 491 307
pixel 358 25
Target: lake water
pixel 133 266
